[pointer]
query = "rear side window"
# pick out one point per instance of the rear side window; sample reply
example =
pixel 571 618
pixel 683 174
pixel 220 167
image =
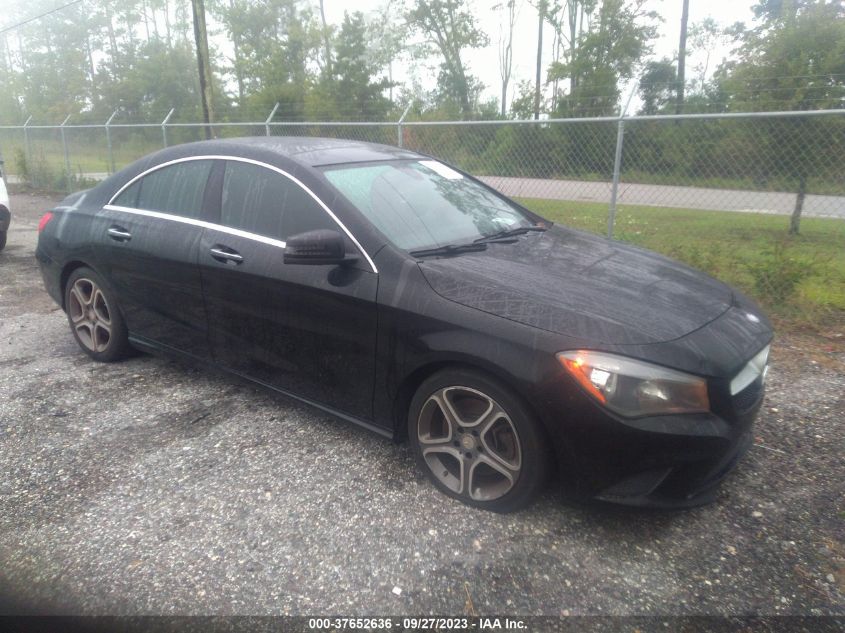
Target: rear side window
pixel 129 196
pixel 261 201
pixel 176 189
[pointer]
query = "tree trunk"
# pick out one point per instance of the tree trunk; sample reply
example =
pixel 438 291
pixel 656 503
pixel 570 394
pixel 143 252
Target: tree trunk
pixel 573 37
pixel 167 25
pixel 146 19
pixel 541 13
pixel 236 46
pixel 795 220
pixel 326 43
pixel 682 58
pixel 506 56
pixel 463 87
pixel 112 43
pixel 92 73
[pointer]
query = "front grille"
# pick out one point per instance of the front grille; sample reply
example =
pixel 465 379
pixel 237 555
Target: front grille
pixel 749 396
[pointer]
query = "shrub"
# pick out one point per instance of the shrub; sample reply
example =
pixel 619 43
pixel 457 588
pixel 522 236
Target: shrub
pixel 778 273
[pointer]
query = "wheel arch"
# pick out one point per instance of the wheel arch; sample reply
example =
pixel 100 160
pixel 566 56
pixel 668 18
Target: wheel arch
pixel 411 383
pixel 67 271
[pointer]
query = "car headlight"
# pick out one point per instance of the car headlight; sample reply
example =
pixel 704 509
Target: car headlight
pixel 634 388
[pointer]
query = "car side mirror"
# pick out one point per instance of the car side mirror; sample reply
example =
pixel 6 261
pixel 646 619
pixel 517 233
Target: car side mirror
pixel 322 246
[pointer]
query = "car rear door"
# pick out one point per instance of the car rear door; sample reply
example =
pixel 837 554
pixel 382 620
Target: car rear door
pixel 146 242
pixel 306 329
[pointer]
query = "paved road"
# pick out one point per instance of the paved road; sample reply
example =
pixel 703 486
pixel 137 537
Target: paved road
pixel 653 195
pixel 670 196
pixel 149 487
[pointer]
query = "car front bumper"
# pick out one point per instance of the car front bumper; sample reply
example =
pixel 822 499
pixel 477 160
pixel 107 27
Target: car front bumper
pixel 670 461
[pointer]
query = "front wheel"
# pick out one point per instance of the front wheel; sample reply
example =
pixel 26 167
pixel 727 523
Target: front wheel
pixel 94 317
pixel 2 240
pixel 477 441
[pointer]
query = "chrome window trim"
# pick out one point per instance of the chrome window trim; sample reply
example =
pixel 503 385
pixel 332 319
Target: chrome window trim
pixel 226 229
pixel 200 223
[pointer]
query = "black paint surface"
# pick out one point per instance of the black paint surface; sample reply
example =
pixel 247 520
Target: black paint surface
pixel 356 342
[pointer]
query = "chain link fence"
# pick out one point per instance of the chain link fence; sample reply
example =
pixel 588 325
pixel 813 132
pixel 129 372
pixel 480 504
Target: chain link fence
pixel 658 181
pixel 739 162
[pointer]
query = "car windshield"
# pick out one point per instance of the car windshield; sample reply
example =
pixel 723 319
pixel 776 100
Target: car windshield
pixel 425 204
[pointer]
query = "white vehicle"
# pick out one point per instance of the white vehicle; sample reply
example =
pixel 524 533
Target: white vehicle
pixel 5 214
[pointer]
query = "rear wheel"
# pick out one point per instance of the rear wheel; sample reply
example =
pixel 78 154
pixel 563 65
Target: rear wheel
pixel 94 317
pixel 2 240
pixel 477 441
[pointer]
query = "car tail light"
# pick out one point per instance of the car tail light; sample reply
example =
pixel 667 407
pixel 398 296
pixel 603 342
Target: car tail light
pixel 45 221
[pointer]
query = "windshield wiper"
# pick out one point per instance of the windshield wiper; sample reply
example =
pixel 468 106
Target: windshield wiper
pixel 450 249
pixel 479 244
pixel 509 233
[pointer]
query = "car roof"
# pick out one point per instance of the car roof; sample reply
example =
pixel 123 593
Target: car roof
pixel 317 152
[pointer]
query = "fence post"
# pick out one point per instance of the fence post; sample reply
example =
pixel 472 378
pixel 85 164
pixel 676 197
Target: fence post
pixel 617 167
pixel 67 155
pixel 26 146
pixel 617 161
pixel 399 125
pixel 108 142
pixel 270 118
pixel 164 126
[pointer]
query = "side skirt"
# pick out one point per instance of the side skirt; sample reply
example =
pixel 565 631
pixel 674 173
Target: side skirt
pixel 163 350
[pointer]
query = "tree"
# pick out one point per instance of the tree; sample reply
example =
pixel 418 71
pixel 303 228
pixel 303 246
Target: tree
pixel 280 42
pixel 506 49
pixel 657 85
pixel 353 87
pixel 387 36
pixel 704 37
pixel 606 40
pixel 794 59
pixel 449 28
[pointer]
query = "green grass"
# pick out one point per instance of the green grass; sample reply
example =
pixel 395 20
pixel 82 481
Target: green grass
pixel 799 279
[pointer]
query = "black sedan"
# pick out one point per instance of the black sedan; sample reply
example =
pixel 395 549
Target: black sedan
pixel 398 293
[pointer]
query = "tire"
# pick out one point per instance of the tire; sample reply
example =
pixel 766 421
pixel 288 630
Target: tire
pixel 477 441
pixel 94 317
pixel 2 240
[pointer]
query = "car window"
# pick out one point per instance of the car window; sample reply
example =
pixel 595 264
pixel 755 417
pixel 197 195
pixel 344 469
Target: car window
pixel 420 204
pixel 129 196
pixel 261 201
pixel 176 189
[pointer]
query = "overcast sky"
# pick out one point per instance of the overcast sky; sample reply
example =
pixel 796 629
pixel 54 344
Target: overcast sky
pixel 484 62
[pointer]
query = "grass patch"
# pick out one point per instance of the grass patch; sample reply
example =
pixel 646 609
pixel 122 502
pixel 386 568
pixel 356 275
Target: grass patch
pixel 799 279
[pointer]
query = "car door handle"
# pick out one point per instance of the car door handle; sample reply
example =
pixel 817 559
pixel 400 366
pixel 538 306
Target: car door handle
pixel 119 234
pixel 225 255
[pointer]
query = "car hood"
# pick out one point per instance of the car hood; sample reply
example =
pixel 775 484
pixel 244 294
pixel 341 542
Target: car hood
pixel 582 286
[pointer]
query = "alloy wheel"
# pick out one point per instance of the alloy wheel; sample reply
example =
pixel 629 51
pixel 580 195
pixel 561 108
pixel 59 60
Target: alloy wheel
pixel 469 443
pixel 90 315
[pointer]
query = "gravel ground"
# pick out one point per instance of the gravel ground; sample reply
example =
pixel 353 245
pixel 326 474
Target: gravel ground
pixel 147 487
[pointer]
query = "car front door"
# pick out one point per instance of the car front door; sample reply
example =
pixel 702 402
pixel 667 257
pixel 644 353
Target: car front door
pixel 309 330
pixel 147 241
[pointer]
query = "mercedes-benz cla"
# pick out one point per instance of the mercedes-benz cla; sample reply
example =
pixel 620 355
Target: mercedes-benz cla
pixel 401 294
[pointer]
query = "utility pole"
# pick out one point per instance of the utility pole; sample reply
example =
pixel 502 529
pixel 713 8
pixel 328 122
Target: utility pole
pixel 541 12
pixel 682 58
pixel 203 63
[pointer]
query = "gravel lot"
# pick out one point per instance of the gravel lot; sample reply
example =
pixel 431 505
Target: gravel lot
pixel 147 487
